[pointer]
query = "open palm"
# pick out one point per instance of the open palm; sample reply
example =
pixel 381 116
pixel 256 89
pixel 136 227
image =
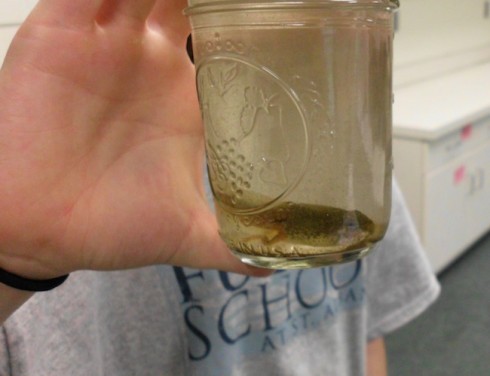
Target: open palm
pixel 101 146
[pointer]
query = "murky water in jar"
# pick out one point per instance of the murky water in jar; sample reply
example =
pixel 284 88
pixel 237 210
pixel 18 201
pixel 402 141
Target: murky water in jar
pixel 298 137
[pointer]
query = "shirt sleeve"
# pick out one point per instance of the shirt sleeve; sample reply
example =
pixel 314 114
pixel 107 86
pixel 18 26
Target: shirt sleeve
pixel 4 354
pixel 400 281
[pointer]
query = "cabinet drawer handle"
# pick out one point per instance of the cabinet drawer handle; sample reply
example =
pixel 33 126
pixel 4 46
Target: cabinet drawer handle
pixel 481 178
pixel 473 184
pixel 453 146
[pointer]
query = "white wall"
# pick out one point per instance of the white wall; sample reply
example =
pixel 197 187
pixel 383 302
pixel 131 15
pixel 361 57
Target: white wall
pixel 437 36
pixel 12 12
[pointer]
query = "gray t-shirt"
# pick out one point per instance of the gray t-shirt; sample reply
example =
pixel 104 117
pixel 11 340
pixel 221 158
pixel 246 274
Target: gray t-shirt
pixel 179 321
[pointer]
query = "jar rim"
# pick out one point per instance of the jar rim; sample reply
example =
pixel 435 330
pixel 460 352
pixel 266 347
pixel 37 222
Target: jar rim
pixel 204 6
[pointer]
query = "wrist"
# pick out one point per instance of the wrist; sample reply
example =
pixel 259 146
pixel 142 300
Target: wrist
pixel 27 278
pixel 27 284
pixel 10 300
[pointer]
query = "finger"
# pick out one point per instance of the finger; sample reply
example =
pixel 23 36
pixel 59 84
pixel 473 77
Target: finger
pixel 125 11
pixel 67 13
pixel 168 15
pixel 204 249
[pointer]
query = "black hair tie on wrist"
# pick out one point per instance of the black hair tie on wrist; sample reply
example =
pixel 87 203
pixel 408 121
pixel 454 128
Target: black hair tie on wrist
pixel 33 285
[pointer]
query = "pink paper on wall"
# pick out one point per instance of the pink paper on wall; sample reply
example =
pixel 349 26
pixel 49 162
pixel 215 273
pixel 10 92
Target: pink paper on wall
pixel 466 132
pixel 459 174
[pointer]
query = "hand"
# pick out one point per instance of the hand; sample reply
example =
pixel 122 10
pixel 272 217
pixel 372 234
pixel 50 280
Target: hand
pixel 101 145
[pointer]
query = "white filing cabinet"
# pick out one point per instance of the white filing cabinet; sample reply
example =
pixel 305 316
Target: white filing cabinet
pixel 441 152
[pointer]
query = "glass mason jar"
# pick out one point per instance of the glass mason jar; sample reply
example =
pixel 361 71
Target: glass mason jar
pixel 296 101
